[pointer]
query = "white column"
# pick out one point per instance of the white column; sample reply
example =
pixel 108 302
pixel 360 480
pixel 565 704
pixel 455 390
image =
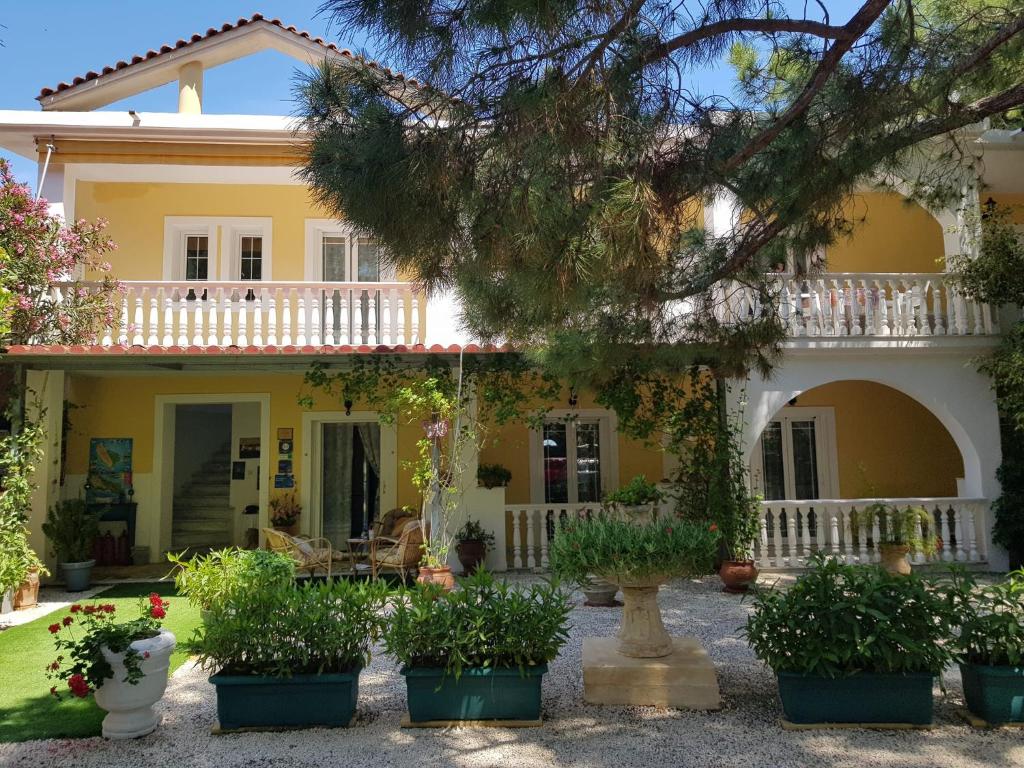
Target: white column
pixel 49 386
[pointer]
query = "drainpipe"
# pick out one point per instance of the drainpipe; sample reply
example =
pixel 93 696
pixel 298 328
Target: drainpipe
pixel 46 165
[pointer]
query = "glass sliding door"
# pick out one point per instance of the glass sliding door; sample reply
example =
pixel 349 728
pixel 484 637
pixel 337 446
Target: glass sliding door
pixel 349 479
pixel 571 461
pixel 345 258
pixel 793 457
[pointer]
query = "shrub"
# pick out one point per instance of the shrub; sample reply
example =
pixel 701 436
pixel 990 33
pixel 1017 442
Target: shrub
pixel 621 551
pixel 639 492
pixel 900 527
pixel 485 623
pixel 285 509
pixel 992 621
pixel 493 476
pixel 71 526
pixel 473 531
pixel 838 620
pixel 207 579
pixel 286 630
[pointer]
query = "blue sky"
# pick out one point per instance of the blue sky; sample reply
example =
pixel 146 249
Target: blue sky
pixel 54 40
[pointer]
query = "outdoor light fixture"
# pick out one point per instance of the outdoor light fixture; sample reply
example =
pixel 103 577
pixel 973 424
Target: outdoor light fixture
pixel 990 208
pixel 348 407
pixel 573 398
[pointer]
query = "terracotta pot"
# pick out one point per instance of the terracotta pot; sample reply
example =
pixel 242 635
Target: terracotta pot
pixel 27 595
pixel 442 576
pixel 894 558
pixel 642 635
pixel 737 575
pixel 471 554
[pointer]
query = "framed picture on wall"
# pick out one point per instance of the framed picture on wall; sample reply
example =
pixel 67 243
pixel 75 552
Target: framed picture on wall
pixel 248 447
pixel 110 470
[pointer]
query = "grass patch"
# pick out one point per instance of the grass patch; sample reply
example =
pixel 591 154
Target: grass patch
pixel 27 710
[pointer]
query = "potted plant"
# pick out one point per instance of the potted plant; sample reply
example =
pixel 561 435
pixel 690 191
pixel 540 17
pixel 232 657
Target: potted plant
pixel 207 579
pixel 478 653
pixel 639 558
pixel 493 476
pixel 284 512
pixel 71 526
pixel 124 664
pixel 900 533
pixel 27 594
pixel 853 643
pixel 638 500
pixel 739 528
pixel 287 656
pixel 990 647
pixel 471 544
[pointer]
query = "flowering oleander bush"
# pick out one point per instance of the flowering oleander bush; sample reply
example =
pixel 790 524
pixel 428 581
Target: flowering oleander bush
pixel 86 630
pixel 624 552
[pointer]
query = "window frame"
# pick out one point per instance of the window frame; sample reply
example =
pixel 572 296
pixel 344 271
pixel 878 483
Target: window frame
pixel 222 232
pixel 608 435
pixel 826 453
pixel 318 229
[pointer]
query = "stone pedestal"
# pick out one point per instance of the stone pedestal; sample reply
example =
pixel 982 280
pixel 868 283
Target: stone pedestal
pixel 684 679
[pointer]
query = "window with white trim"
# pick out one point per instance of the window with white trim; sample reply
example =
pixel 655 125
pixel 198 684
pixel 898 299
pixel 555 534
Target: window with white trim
pixel 573 460
pixel 196 257
pixel 250 256
pixel 795 457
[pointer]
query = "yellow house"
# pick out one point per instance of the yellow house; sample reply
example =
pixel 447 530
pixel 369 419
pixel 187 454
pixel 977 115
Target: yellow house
pixel 235 281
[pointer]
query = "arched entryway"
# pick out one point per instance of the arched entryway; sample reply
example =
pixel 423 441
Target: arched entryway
pixel 825 452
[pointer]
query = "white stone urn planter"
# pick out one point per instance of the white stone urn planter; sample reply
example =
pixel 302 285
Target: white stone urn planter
pixel 643 634
pixel 129 706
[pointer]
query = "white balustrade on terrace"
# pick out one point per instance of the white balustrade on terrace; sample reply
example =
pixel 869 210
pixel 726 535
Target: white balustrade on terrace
pixel 531 526
pixel 790 531
pixel 867 304
pixel 244 313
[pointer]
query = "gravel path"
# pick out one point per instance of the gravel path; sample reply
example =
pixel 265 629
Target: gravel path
pixel 745 733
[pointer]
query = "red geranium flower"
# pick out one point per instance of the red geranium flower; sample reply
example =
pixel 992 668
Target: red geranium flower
pixel 145 654
pixel 154 598
pixel 157 612
pixel 89 609
pixel 75 608
pixel 54 629
pixel 67 621
pixel 79 687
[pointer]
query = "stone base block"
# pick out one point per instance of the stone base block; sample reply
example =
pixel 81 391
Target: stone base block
pixel 685 679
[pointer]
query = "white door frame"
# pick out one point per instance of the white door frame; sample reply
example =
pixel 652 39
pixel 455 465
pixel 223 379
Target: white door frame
pixel 826 450
pixel 163 458
pixel 609 433
pixel 311 522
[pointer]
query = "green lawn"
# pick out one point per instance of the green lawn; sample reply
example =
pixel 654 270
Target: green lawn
pixel 27 710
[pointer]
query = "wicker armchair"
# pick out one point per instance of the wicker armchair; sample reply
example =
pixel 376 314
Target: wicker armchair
pixel 401 555
pixel 309 554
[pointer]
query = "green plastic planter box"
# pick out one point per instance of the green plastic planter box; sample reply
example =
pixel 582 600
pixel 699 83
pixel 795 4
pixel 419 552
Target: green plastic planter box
pixel 862 698
pixel 299 701
pixel 478 694
pixel 995 694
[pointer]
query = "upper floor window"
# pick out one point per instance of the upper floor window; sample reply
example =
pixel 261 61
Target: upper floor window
pixel 335 254
pixel 251 257
pixel 197 257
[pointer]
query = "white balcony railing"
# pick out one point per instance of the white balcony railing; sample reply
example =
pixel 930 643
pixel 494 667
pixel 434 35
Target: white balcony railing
pixel 867 304
pixel 793 530
pixel 209 314
pixel 790 531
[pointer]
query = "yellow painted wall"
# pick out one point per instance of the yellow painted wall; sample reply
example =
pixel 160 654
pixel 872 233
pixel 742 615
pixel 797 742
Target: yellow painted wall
pixel 887 443
pixel 136 212
pixel 510 446
pixel 123 406
pixel 890 235
pixel 1014 202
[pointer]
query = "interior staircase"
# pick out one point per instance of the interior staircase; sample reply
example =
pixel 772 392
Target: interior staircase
pixel 203 518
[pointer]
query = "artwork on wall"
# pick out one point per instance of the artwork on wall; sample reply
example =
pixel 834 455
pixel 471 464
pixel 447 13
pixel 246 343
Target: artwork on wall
pixel 238 470
pixel 285 433
pixel 248 447
pixel 284 448
pixel 110 470
pixel 284 466
pixel 284 481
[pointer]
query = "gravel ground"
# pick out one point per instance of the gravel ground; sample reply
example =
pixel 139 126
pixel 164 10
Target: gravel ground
pixel 744 733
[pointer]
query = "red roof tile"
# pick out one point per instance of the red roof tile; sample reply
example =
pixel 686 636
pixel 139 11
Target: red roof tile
pixel 211 32
pixel 20 350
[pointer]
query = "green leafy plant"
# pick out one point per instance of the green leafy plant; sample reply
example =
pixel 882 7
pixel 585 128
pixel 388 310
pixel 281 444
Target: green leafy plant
pixel 473 531
pixel 484 623
pixel 80 661
pixel 71 526
pixel 991 620
pixel 838 620
pixel 909 527
pixel 286 630
pixel 623 552
pixel 285 509
pixel 637 493
pixel 493 476
pixel 208 579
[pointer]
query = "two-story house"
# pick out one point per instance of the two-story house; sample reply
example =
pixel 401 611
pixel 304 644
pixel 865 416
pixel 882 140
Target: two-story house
pixel 235 280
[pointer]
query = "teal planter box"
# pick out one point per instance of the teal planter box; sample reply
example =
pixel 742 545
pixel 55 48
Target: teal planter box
pixel 863 698
pixel 479 694
pixel 995 694
pixel 299 701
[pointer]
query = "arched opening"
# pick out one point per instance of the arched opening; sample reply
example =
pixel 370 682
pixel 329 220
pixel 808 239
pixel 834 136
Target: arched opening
pixel 840 446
